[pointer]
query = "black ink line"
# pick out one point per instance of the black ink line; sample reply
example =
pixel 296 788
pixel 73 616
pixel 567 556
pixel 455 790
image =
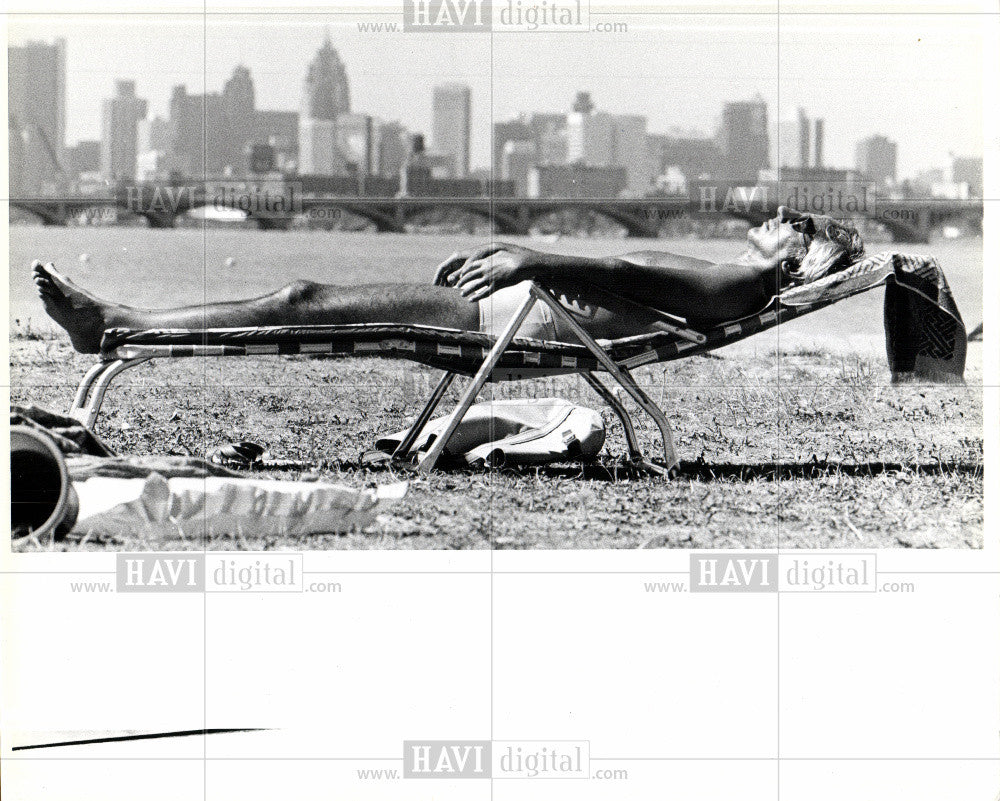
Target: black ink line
pixel 129 737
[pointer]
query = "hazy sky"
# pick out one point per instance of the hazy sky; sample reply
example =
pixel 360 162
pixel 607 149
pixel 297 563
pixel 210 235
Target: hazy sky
pixel 916 79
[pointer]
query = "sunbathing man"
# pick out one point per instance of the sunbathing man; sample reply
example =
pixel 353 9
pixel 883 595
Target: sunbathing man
pixel 479 289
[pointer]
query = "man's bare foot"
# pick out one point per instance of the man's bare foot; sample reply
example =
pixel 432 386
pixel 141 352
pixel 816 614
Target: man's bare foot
pixel 82 315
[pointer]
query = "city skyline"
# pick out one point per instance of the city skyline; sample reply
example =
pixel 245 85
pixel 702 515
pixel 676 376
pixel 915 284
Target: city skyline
pixel 92 72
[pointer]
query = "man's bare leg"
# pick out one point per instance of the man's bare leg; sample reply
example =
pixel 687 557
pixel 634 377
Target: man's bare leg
pixel 85 316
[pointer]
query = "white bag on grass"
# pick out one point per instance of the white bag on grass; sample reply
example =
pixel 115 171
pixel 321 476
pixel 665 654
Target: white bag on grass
pixel 515 432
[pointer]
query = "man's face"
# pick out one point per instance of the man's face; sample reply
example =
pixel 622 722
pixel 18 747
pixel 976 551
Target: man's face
pixel 779 237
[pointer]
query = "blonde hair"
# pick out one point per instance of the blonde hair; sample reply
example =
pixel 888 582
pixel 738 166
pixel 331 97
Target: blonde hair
pixel 834 246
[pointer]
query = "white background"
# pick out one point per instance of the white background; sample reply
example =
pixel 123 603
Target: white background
pixel 807 697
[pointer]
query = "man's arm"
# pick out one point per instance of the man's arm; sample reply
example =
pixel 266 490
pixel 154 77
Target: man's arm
pixel 679 285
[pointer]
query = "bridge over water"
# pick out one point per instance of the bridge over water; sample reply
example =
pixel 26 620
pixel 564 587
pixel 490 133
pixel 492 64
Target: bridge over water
pixel 278 204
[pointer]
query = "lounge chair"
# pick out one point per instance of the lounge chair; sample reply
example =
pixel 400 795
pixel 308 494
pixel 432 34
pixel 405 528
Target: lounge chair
pixel 509 357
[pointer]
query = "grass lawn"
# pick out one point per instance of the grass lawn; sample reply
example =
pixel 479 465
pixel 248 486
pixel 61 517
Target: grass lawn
pixel 805 449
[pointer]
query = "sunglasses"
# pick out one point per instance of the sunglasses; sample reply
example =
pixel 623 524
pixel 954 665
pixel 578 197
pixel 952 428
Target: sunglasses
pixel 801 223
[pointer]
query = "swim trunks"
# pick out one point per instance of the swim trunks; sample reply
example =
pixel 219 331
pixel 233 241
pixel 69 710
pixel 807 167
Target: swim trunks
pixel 496 310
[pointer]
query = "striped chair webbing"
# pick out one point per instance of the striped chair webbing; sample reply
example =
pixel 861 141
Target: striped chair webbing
pixel 444 348
pixel 458 351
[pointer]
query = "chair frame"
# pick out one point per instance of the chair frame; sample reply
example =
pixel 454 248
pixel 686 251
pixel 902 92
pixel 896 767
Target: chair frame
pixel 90 395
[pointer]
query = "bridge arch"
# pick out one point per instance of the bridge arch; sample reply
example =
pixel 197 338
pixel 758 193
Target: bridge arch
pixel 46 214
pixel 385 219
pixel 502 223
pixel 635 223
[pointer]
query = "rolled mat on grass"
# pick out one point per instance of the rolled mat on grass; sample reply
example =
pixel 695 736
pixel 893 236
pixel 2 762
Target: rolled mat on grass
pixel 156 506
pixel 157 496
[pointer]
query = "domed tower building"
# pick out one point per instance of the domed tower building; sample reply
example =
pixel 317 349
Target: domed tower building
pixel 327 93
pixel 326 98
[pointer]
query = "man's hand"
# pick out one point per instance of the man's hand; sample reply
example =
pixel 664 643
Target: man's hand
pixel 491 268
pixel 445 270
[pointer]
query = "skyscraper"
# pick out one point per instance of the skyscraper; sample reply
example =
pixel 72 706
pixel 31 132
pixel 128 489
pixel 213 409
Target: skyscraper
pixel 583 104
pixel 550 137
pixel 280 130
pixel 818 142
pixel 119 132
pixel 875 159
pixel 743 139
pixel 452 128
pixel 546 131
pixel 794 141
pixel 393 148
pixel 238 129
pixel 154 144
pixel 518 159
pixel 83 158
pixel 196 149
pixel 357 142
pixel 326 94
pixel 967 171
pixel 692 156
pixel 326 97
pixel 631 151
pixel 36 109
pixel 609 140
pixel 504 132
pixel 318 151
pixel 589 138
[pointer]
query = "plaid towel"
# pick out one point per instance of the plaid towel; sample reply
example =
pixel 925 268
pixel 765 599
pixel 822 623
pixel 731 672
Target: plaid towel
pixel 924 334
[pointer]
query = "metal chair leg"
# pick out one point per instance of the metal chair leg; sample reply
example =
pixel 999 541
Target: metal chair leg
pixel 620 375
pixel 403 449
pixel 426 461
pixel 83 391
pixel 95 384
pixel 634 448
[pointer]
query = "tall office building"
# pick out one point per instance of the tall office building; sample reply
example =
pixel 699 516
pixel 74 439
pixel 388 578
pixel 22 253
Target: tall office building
pixel 546 131
pixel 518 159
pixel 589 138
pixel 452 129
pixel 690 155
pixel 196 148
pixel 318 151
pixel 550 137
pixel 36 116
pixel 511 131
pixel 743 140
pixel 875 159
pixel 154 144
pixel 818 143
pixel 392 150
pixel 119 132
pixel 326 93
pixel 213 135
pixel 795 141
pixel 967 171
pixel 357 140
pixel 83 158
pixel 326 96
pixel 238 129
pixel 631 151
pixel 599 139
pixel 280 131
